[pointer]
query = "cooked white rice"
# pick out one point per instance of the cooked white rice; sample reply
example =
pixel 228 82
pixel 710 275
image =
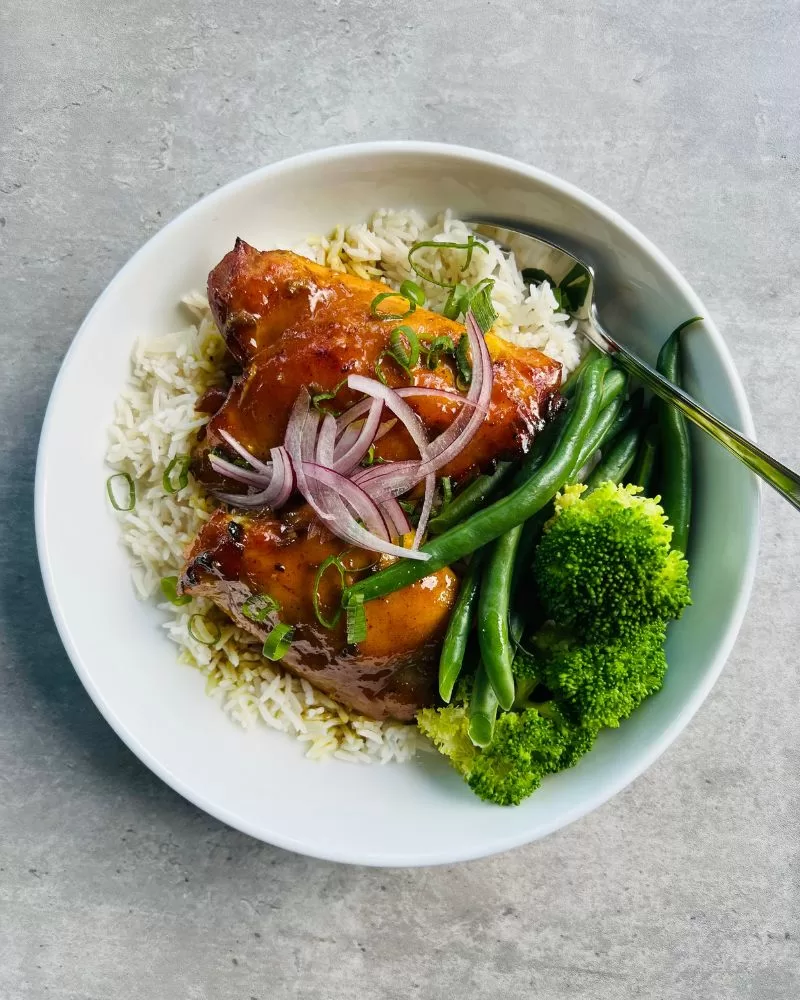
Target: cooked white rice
pixel 155 421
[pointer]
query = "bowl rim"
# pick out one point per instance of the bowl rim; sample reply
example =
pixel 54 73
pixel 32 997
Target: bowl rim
pixel 624 775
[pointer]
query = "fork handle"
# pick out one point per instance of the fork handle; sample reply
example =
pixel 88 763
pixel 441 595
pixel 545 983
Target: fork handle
pixel 781 478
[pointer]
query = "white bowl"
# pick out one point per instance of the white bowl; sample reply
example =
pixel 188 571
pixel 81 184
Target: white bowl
pixel 259 781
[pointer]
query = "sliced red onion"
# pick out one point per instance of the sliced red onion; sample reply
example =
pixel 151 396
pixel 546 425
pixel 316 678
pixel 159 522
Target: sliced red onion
pixel 425 513
pixel 231 471
pixel 396 516
pixel 344 525
pixel 350 458
pixel 274 495
pixel 347 491
pixel 242 452
pixel 466 425
pixel 296 441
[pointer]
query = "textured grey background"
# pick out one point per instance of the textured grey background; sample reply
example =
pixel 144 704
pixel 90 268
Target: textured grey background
pixel 117 116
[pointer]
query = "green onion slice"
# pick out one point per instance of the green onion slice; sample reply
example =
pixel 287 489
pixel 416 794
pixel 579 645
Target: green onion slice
pixel 482 308
pixel 277 643
pixel 176 474
pixel 404 346
pixel 437 347
pixel 412 291
pixel 169 588
pixel 373 306
pixel 463 362
pixel 453 306
pixel 356 620
pixel 447 490
pixel 336 562
pixel 321 397
pixel 258 607
pixel 204 630
pixel 122 503
pixel 470 246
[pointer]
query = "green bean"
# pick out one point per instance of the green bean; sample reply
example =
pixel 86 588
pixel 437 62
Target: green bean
pixel 676 455
pixel 644 465
pixel 498 518
pixel 615 465
pixel 610 422
pixel 471 498
pixel 568 387
pixel 493 607
pixel 458 630
pixel 482 709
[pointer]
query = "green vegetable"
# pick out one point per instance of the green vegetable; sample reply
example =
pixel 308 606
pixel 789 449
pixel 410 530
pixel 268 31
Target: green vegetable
pixel 336 563
pixel 258 607
pixel 598 684
pixel 605 567
pixel 453 303
pixel 278 642
pixel 169 588
pixel 676 455
pixel 574 287
pixel 470 246
pixel 373 306
pixel 525 747
pixel 442 344
pixel 523 502
pixel 127 503
pixel 643 471
pixel 471 498
pixel 459 627
pixel 176 474
pixel 356 618
pixel 463 362
pixel 412 291
pixel 497 650
pixel 479 303
pixel 404 347
pixel 204 629
pixel 482 709
pixel 617 461
pixel 321 397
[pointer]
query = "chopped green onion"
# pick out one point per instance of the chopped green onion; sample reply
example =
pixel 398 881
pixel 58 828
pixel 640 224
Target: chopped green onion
pixel 413 292
pixel 453 306
pixel 535 276
pixel 356 620
pixel 324 566
pixel 180 467
pixel 258 607
pixel 470 246
pixel 211 629
pixel 112 491
pixel 277 643
pixel 482 308
pixel 447 490
pixel 409 506
pixel 379 366
pixel 371 458
pixel 438 346
pixel 169 588
pixel 463 362
pixel 320 397
pixel 373 306
pixel 406 357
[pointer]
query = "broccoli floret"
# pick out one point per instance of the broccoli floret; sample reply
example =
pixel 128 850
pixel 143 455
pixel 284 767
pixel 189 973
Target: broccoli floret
pixel 525 747
pixel 604 567
pixel 599 684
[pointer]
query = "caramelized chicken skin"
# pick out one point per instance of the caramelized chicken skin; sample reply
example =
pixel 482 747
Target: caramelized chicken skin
pixel 392 674
pixel 292 324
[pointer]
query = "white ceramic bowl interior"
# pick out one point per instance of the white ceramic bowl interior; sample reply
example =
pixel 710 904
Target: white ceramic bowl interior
pixel 257 780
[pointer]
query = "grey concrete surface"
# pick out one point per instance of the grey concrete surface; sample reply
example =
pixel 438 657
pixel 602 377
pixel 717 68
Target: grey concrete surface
pixel 113 118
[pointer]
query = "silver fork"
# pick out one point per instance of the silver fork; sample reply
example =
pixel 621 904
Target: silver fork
pixel 576 279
